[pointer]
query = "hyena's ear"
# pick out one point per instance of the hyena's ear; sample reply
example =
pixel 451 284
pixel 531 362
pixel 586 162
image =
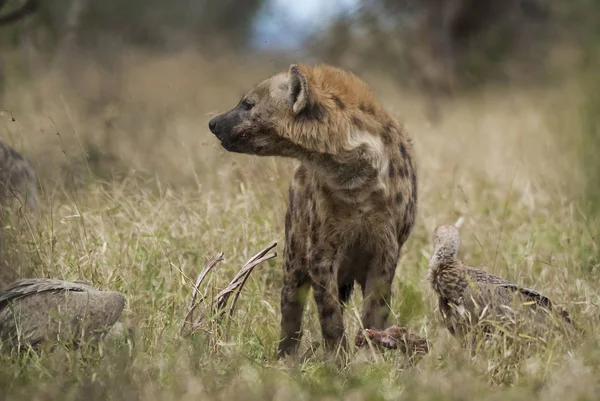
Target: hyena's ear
pixel 298 89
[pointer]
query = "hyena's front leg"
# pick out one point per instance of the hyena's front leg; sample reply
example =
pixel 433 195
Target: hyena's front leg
pixel 326 293
pixel 378 289
pixel 293 300
pixel 295 288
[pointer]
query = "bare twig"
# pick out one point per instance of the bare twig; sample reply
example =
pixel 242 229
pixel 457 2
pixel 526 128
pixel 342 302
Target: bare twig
pixel 249 269
pixel 459 222
pixel 212 263
pixel 240 279
pixel 237 283
pixel 252 259
pixel 193 304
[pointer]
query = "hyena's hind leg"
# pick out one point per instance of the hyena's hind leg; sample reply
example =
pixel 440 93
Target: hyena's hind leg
pixel 378 289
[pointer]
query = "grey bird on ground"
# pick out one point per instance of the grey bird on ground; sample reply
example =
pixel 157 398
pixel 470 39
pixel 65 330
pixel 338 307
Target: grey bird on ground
pixel 34 311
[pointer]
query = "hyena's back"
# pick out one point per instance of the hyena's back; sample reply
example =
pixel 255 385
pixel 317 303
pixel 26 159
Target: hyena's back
pixel 17 177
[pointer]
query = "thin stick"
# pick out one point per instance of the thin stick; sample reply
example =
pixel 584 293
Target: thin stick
pixel 238 281
pixel 243 282
pixel 237 289
pixel 211 264
pixel 254 258
pixel 240 278
pixel 236 285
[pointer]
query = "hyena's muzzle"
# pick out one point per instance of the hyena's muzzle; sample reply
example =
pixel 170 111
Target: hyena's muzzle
pixel 234 128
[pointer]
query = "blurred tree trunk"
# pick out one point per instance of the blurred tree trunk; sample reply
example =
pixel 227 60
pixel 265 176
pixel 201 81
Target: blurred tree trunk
pixel 10 17
pixel 67 45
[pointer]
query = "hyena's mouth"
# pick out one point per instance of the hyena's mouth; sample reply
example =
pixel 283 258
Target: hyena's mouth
pixel 235 142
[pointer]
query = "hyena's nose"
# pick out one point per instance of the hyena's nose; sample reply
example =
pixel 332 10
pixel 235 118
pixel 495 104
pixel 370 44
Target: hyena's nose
pixel 212 125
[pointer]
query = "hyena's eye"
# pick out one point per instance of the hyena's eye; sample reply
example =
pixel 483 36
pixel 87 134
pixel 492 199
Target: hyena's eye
pixel 246 104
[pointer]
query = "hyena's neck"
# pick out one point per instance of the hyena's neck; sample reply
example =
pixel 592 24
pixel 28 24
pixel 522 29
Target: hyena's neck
pixel 350 186
pixel 346 177
pixel 347 170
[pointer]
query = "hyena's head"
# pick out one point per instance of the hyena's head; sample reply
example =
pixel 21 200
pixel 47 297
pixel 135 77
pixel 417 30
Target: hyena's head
pixel 305 110
pixel 254 125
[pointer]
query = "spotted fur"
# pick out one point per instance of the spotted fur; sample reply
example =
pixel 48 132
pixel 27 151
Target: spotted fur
pixel 353 198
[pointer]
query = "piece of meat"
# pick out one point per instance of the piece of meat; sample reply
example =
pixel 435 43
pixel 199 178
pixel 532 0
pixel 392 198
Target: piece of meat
pixel 394 338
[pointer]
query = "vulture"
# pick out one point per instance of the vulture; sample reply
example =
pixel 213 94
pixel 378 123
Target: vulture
pixel 470 297
pixel 35 311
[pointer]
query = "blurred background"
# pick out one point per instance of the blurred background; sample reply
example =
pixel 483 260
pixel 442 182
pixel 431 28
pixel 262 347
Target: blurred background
pixel 95 91
pixel 92 59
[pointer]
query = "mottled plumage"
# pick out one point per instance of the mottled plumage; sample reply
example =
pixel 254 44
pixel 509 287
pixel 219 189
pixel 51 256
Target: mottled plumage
pixel 25 287
pixel 37 310
pixel 468 296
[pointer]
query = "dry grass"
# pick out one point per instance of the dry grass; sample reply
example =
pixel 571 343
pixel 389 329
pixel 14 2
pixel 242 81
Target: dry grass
pixel 505 159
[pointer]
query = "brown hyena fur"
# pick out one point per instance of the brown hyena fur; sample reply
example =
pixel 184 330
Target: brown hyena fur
pixel 17 177
pixel 353 198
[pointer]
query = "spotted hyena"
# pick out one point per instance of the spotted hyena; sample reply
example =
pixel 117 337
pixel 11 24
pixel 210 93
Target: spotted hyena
pixel 17 177
pixel 353 198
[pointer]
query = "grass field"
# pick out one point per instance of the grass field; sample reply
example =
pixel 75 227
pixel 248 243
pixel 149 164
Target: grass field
pixel 157 197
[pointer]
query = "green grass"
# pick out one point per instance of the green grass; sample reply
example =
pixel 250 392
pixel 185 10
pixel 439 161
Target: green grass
pixel 146 223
